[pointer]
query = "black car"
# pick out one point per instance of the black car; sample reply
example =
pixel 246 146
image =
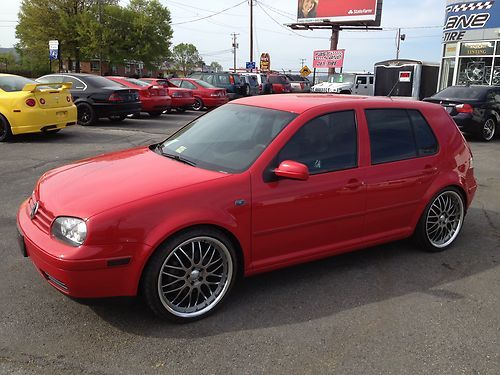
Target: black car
pixel 235 88
pixel 475 109
pixel 98 97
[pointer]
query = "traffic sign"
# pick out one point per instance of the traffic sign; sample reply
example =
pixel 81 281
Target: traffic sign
pixel 250 65
pixel 53 49
pixel 305 71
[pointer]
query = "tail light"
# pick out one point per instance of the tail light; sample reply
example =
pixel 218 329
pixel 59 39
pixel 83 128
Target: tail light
pixel 115 98
pixel 260 87
pixel 464 108
pixel 30 102
pixel 42 101
pixel 302 86
pixel 231 80
pixel 68 99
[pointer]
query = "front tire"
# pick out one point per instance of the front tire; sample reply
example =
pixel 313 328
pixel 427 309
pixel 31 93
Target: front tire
pixel 86 114
pixel 488 130
pixel 190 275
pixel 5 131
pixel 441 221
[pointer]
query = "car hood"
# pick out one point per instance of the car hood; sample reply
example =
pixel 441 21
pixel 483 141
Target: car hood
pixel 88 187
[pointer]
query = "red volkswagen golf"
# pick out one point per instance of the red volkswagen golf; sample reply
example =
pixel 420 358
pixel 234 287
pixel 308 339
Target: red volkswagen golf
pixel 255 185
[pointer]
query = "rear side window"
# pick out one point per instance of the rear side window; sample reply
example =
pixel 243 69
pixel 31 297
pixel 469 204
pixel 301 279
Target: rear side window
pixel 224 79
pixel 398 134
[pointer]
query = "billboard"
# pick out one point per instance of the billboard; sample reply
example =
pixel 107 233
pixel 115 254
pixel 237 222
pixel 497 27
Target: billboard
pixel 471 20
pixel 339 11
pixel 328 59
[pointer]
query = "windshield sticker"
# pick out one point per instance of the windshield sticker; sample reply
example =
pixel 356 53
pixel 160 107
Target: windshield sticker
pixel 181 149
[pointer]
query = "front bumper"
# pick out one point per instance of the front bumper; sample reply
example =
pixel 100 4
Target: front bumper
pixel 113 270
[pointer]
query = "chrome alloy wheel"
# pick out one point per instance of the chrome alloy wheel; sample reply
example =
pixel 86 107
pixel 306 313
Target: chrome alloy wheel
pixel 444 219
pixel 195 276
pixel 489 129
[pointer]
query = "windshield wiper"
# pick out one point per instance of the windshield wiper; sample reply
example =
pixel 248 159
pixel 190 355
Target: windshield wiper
pixel 179 158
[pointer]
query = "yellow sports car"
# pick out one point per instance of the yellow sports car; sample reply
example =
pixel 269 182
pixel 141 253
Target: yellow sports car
pixel 29 107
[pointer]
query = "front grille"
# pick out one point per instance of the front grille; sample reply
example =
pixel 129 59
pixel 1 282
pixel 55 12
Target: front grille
pixel 43 218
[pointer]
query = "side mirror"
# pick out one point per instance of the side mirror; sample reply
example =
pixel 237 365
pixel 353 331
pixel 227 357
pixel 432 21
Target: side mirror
pixel 357 85
pixel 293 170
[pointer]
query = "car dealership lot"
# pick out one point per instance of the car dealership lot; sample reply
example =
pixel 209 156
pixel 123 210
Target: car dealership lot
pixel 389 309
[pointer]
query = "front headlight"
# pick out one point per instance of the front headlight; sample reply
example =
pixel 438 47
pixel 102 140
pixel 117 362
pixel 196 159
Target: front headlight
pixel 70 230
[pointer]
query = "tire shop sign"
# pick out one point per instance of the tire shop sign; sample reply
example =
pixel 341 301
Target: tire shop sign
pixel 328 59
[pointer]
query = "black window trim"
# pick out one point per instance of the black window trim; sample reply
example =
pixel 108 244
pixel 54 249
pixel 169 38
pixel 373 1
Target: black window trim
pixel 412 132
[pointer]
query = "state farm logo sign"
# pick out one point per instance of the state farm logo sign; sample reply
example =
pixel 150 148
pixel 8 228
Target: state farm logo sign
pixel 463 17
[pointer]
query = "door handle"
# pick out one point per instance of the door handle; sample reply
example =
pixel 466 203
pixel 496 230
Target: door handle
pixel 354 184
pixel 429 170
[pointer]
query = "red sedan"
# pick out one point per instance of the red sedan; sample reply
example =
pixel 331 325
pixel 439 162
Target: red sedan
pixel 252 186
pixel 182 99
pixel 205 94
pixel 154 99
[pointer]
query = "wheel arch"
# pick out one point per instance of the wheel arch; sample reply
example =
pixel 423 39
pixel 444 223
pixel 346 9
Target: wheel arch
pixel 240 261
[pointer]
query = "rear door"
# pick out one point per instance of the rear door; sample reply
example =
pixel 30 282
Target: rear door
pixel 404 163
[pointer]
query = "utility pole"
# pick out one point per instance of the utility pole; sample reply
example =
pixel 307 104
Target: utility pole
pixel 100 36
pixel 235 45
pixel 251 30
pixel 334 42
pixel 400 37
pixel 302 61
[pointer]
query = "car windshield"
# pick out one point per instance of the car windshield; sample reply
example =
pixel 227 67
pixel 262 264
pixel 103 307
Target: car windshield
pixel 14 83
pixel 228 139
pixel 204 84
pixel 463 92
pixel 341 78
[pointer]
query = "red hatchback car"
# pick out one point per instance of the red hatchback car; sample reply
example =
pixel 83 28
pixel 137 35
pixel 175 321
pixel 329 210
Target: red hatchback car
pixel 182 99
pixel 255 185
pixel 154 99
pixel 205 94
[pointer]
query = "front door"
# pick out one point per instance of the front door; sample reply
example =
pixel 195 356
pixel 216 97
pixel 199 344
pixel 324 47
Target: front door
pixel 294 220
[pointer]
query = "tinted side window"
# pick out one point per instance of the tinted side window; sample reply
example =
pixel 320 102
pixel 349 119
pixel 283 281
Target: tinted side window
pixel 361 80
pixel 223 79
pixel 391 135
pixel 188 85
pixel 327 143
pixel 371 80
pixel 210 79
pixel 426 141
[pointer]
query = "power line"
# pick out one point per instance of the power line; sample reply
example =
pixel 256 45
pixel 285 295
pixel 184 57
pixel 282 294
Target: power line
pixel 212 15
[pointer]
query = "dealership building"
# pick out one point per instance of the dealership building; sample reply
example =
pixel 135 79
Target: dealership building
pixel 471 44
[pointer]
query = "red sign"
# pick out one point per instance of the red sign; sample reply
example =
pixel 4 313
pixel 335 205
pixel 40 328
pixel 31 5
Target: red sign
pixel 328 59
pixel 336 10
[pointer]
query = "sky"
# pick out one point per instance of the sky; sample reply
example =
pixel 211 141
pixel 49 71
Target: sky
pixel 420 20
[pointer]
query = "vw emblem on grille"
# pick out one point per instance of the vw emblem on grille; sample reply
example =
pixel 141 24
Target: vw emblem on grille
pixel 33 211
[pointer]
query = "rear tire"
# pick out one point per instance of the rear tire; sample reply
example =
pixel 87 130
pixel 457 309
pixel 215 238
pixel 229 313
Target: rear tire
pixel 488 130
pixel 180 110
pixel 198 104
pixel 5 130
pixel 190 275
pixel 86 114
pixel 441 221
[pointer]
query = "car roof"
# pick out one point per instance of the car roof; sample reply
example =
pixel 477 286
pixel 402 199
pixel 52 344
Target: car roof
pixel 299 103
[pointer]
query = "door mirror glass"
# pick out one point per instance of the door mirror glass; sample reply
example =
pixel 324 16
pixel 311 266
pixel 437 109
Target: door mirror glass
pixel 293 170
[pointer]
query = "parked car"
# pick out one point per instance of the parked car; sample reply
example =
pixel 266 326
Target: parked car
pixel 279 84
pixel 29 107
pixel 251 85
pixel 475 109
pixel 298 83
pixel 347 83
pixel 255 185
pixel 264 86
pixel 229 81
pixel 97 97
pixel 154 99
pixel 205 94
pixel 182 99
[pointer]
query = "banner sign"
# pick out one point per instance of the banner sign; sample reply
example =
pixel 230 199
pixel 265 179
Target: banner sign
pixel 475 20
pixel 337 11
pixel 328 59
pixel 265 62
pixel 53 49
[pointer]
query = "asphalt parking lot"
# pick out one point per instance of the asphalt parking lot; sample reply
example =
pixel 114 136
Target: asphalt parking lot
pixel 386 310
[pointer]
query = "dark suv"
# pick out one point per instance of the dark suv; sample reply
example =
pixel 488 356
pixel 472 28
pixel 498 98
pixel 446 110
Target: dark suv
pixel 230 81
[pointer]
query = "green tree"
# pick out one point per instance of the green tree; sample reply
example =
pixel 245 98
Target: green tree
pixel 185 57
pixel 7 61
pixel 215 66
